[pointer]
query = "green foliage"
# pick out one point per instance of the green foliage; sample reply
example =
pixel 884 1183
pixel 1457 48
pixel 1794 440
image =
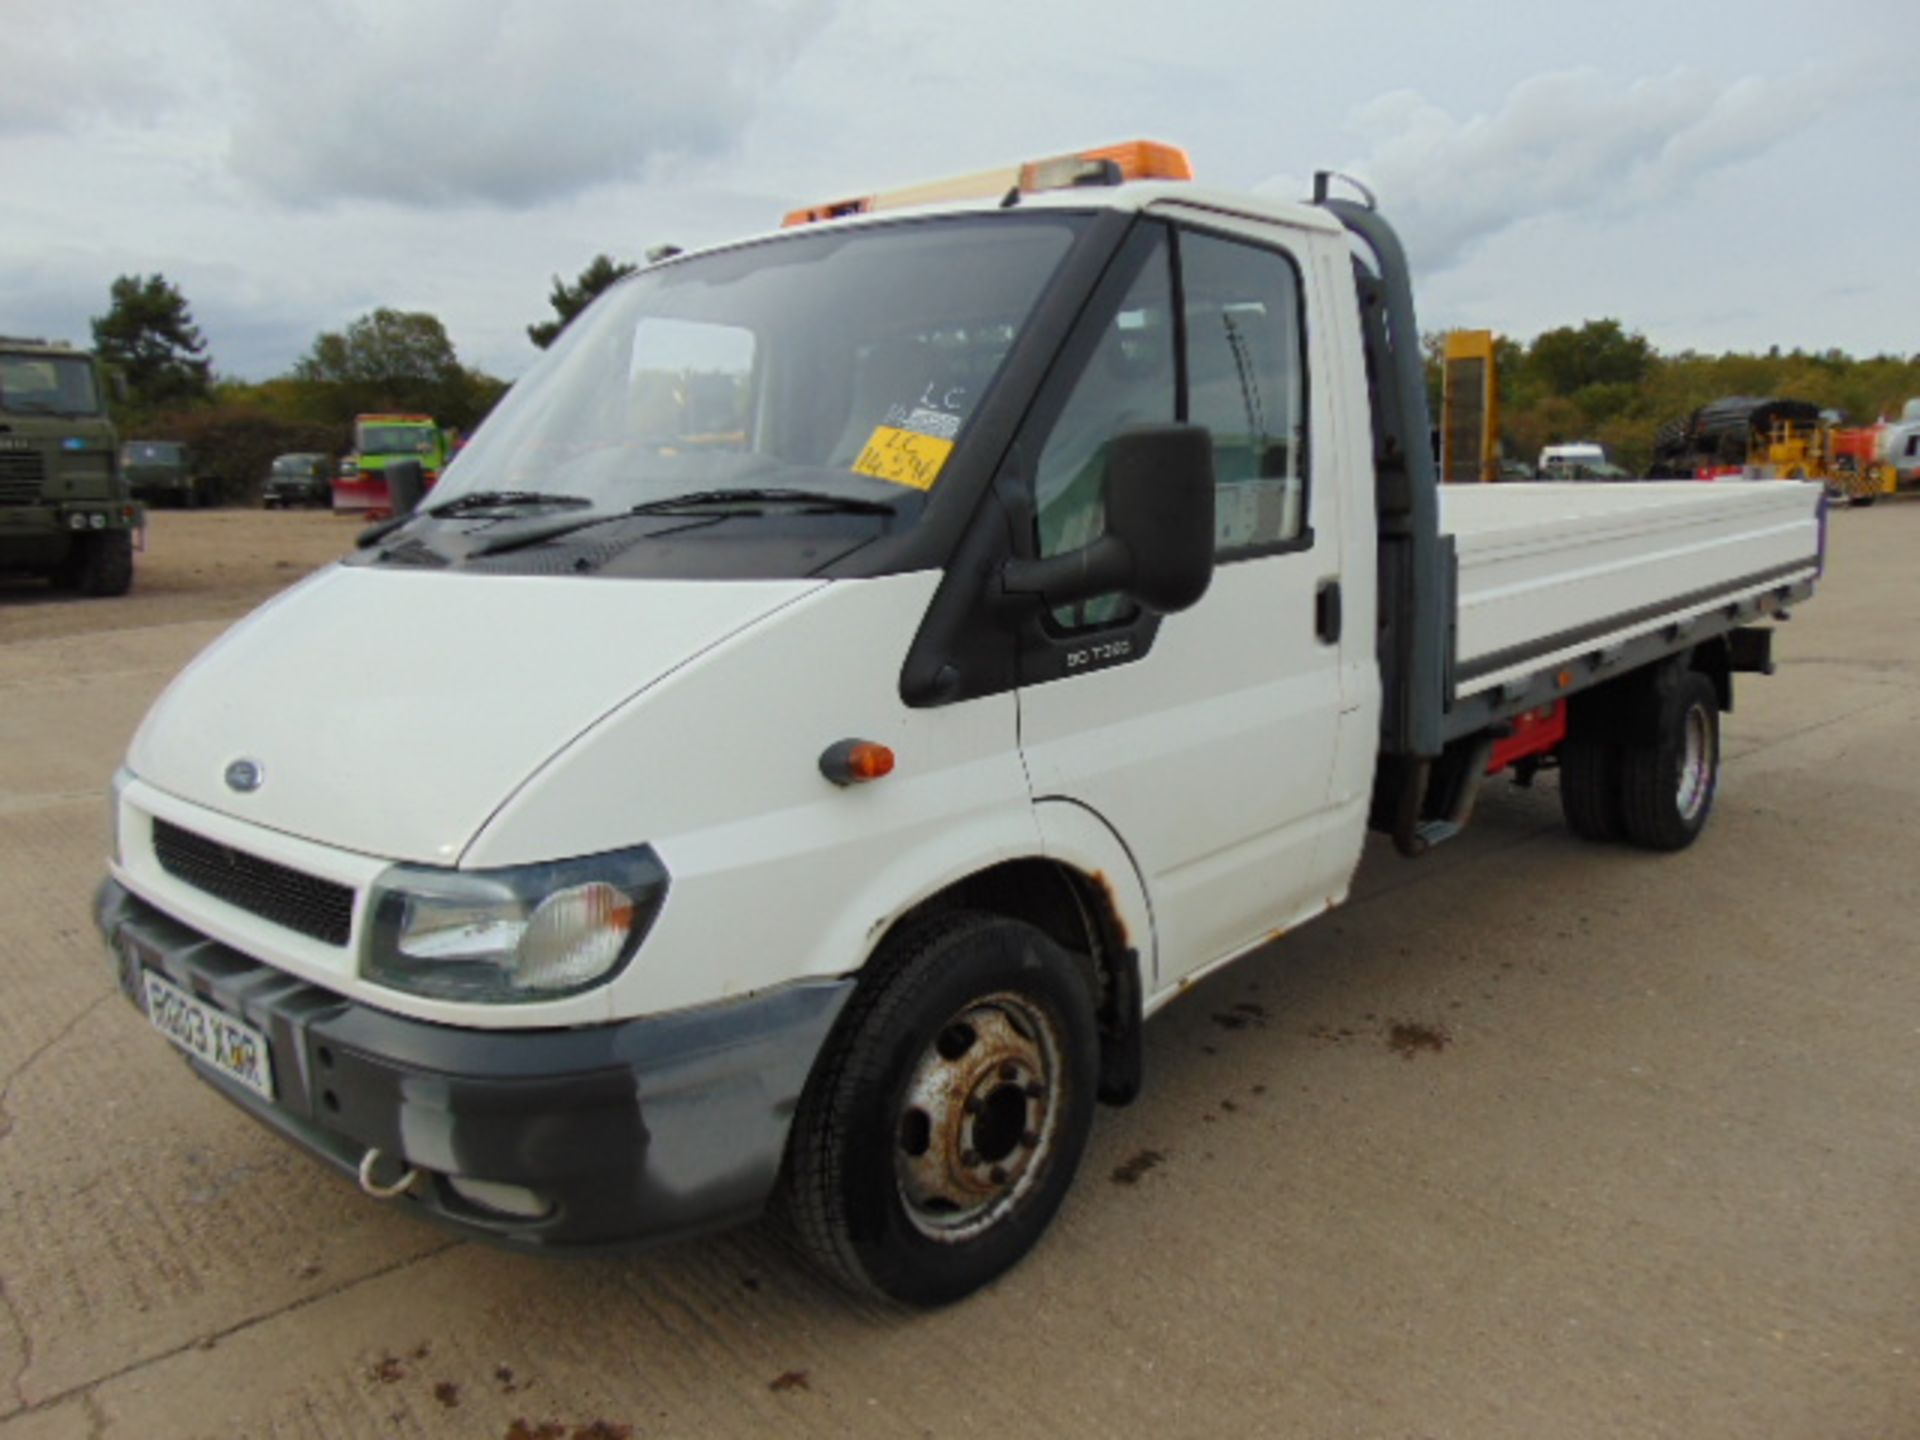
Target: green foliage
pixel 1599 381
pixel 569 300
pixel 234 444
pixel 1566 361
pixel 389 360
pixel 149 335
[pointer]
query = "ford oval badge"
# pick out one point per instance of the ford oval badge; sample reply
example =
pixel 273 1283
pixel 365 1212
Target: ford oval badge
pixel 245 776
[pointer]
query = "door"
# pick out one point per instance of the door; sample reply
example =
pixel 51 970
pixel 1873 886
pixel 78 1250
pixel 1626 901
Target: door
pixel 1204 739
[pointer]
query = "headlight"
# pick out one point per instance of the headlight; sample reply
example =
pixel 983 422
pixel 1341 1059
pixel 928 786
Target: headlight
pixel 530 932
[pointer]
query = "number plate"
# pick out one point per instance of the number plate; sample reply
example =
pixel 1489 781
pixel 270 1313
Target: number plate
pixel 235 1050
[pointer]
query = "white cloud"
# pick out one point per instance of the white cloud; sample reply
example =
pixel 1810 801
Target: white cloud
pixel 1568 143
pixel 514 103
pixel 65 70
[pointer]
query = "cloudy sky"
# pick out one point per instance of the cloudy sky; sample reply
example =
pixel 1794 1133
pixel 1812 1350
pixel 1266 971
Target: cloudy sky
pixel 1717 176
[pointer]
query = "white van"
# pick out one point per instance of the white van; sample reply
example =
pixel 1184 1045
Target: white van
pixel 1575 460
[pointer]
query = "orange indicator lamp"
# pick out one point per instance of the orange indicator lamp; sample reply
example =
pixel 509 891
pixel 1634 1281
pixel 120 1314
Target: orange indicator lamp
pixel 854 762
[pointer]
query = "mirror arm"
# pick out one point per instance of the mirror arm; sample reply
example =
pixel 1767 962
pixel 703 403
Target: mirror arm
pixel 1095 569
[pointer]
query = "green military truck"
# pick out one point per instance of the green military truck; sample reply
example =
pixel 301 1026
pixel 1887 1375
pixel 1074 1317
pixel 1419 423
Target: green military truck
pixel 65 509
pixel 162 472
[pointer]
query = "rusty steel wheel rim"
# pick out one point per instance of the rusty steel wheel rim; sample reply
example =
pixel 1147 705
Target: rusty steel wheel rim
pixel 978 1116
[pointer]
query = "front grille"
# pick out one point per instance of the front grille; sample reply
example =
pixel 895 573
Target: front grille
pixel 22 473
pixel 285 896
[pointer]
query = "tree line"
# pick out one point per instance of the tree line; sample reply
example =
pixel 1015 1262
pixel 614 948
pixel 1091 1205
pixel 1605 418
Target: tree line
pixel 1599 381
pixel 386 360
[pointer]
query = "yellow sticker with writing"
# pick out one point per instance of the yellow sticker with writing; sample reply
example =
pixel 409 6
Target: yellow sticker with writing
pixel 903 457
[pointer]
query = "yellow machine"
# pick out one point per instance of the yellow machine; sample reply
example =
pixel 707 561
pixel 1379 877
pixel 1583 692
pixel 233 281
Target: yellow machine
pixel 1848 460
pixel 1469 409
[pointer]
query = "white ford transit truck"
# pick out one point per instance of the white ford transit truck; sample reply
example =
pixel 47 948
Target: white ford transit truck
pixel 855 679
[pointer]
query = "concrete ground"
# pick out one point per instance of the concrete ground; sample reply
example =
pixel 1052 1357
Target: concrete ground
pixel 1656 1173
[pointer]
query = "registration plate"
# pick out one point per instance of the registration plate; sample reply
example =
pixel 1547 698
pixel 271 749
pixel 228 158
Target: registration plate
pixel 235 1050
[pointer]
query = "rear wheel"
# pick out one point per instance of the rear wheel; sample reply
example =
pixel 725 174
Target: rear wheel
pixel 947 1116
pixel 1667 787
pixel 1590 789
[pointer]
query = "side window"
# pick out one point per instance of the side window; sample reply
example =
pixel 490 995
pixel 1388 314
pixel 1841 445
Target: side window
pixel 1128 380
pixel 1246 383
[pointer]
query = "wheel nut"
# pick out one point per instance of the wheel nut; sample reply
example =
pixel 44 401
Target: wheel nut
pixel 1036 1091
pixel 998 1174
pixel 1029 1139
pixel 970 1158
pixel 1009 1071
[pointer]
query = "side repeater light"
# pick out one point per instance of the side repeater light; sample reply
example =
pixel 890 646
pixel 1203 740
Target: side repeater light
pixel 854 762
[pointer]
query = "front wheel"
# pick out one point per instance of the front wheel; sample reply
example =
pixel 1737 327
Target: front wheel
pixel 947 1116
pixel 1667 786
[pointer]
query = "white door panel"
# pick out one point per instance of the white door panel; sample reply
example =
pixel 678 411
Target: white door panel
pixel 1210 757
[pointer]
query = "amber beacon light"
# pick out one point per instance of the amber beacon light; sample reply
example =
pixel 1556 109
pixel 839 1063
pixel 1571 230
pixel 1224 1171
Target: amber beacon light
pixel 1104 165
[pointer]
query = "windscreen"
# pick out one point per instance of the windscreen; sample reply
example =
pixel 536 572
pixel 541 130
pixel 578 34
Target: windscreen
pixel 376 439
pixel 47 385
pixel 150 452
pixel 839 362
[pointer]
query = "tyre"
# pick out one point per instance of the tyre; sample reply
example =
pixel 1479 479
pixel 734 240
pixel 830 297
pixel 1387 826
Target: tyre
pixel 106 563
pixel 1590 789
pixel 948 1112
pixel 1861 502
pixel 1667 787
pixel 66 575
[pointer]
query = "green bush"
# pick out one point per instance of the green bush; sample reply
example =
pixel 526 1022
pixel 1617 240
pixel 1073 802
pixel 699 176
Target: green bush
pixel 235 445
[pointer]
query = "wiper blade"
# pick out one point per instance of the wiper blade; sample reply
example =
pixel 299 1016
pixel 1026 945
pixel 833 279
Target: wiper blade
pixel 507 500
pixel 811 499
pixel 694 502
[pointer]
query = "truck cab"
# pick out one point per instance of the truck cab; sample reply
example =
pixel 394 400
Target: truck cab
pixel 162 472
pixel 380 441
pixel 65 508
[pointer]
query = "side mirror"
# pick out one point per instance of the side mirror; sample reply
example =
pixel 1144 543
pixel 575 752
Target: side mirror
pixel 1158 548
pixel 406 483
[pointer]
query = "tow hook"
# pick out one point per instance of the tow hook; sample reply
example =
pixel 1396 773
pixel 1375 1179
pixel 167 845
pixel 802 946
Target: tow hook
pixel 379 1190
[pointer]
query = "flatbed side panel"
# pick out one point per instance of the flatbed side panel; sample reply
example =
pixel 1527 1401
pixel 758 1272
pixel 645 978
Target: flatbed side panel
pixel 1501 696
pixel 1547 573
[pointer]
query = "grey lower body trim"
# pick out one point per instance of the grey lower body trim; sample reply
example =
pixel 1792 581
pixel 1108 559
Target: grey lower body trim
pixel 638 1131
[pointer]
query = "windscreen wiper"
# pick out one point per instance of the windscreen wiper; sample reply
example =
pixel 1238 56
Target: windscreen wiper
pixel 802 499
pixel 695 502
pixel 506 500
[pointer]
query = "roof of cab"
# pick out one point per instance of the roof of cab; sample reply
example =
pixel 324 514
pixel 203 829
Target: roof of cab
pixel 1136 195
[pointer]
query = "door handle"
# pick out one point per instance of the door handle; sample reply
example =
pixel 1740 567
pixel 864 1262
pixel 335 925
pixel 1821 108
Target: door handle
pixel 1326 612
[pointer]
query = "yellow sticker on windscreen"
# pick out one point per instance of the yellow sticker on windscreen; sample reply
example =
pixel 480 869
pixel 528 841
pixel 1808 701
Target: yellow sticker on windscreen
pixel 903 457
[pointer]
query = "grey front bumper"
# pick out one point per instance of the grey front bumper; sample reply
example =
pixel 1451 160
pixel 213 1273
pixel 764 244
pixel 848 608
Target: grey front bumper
pixel 640 1130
